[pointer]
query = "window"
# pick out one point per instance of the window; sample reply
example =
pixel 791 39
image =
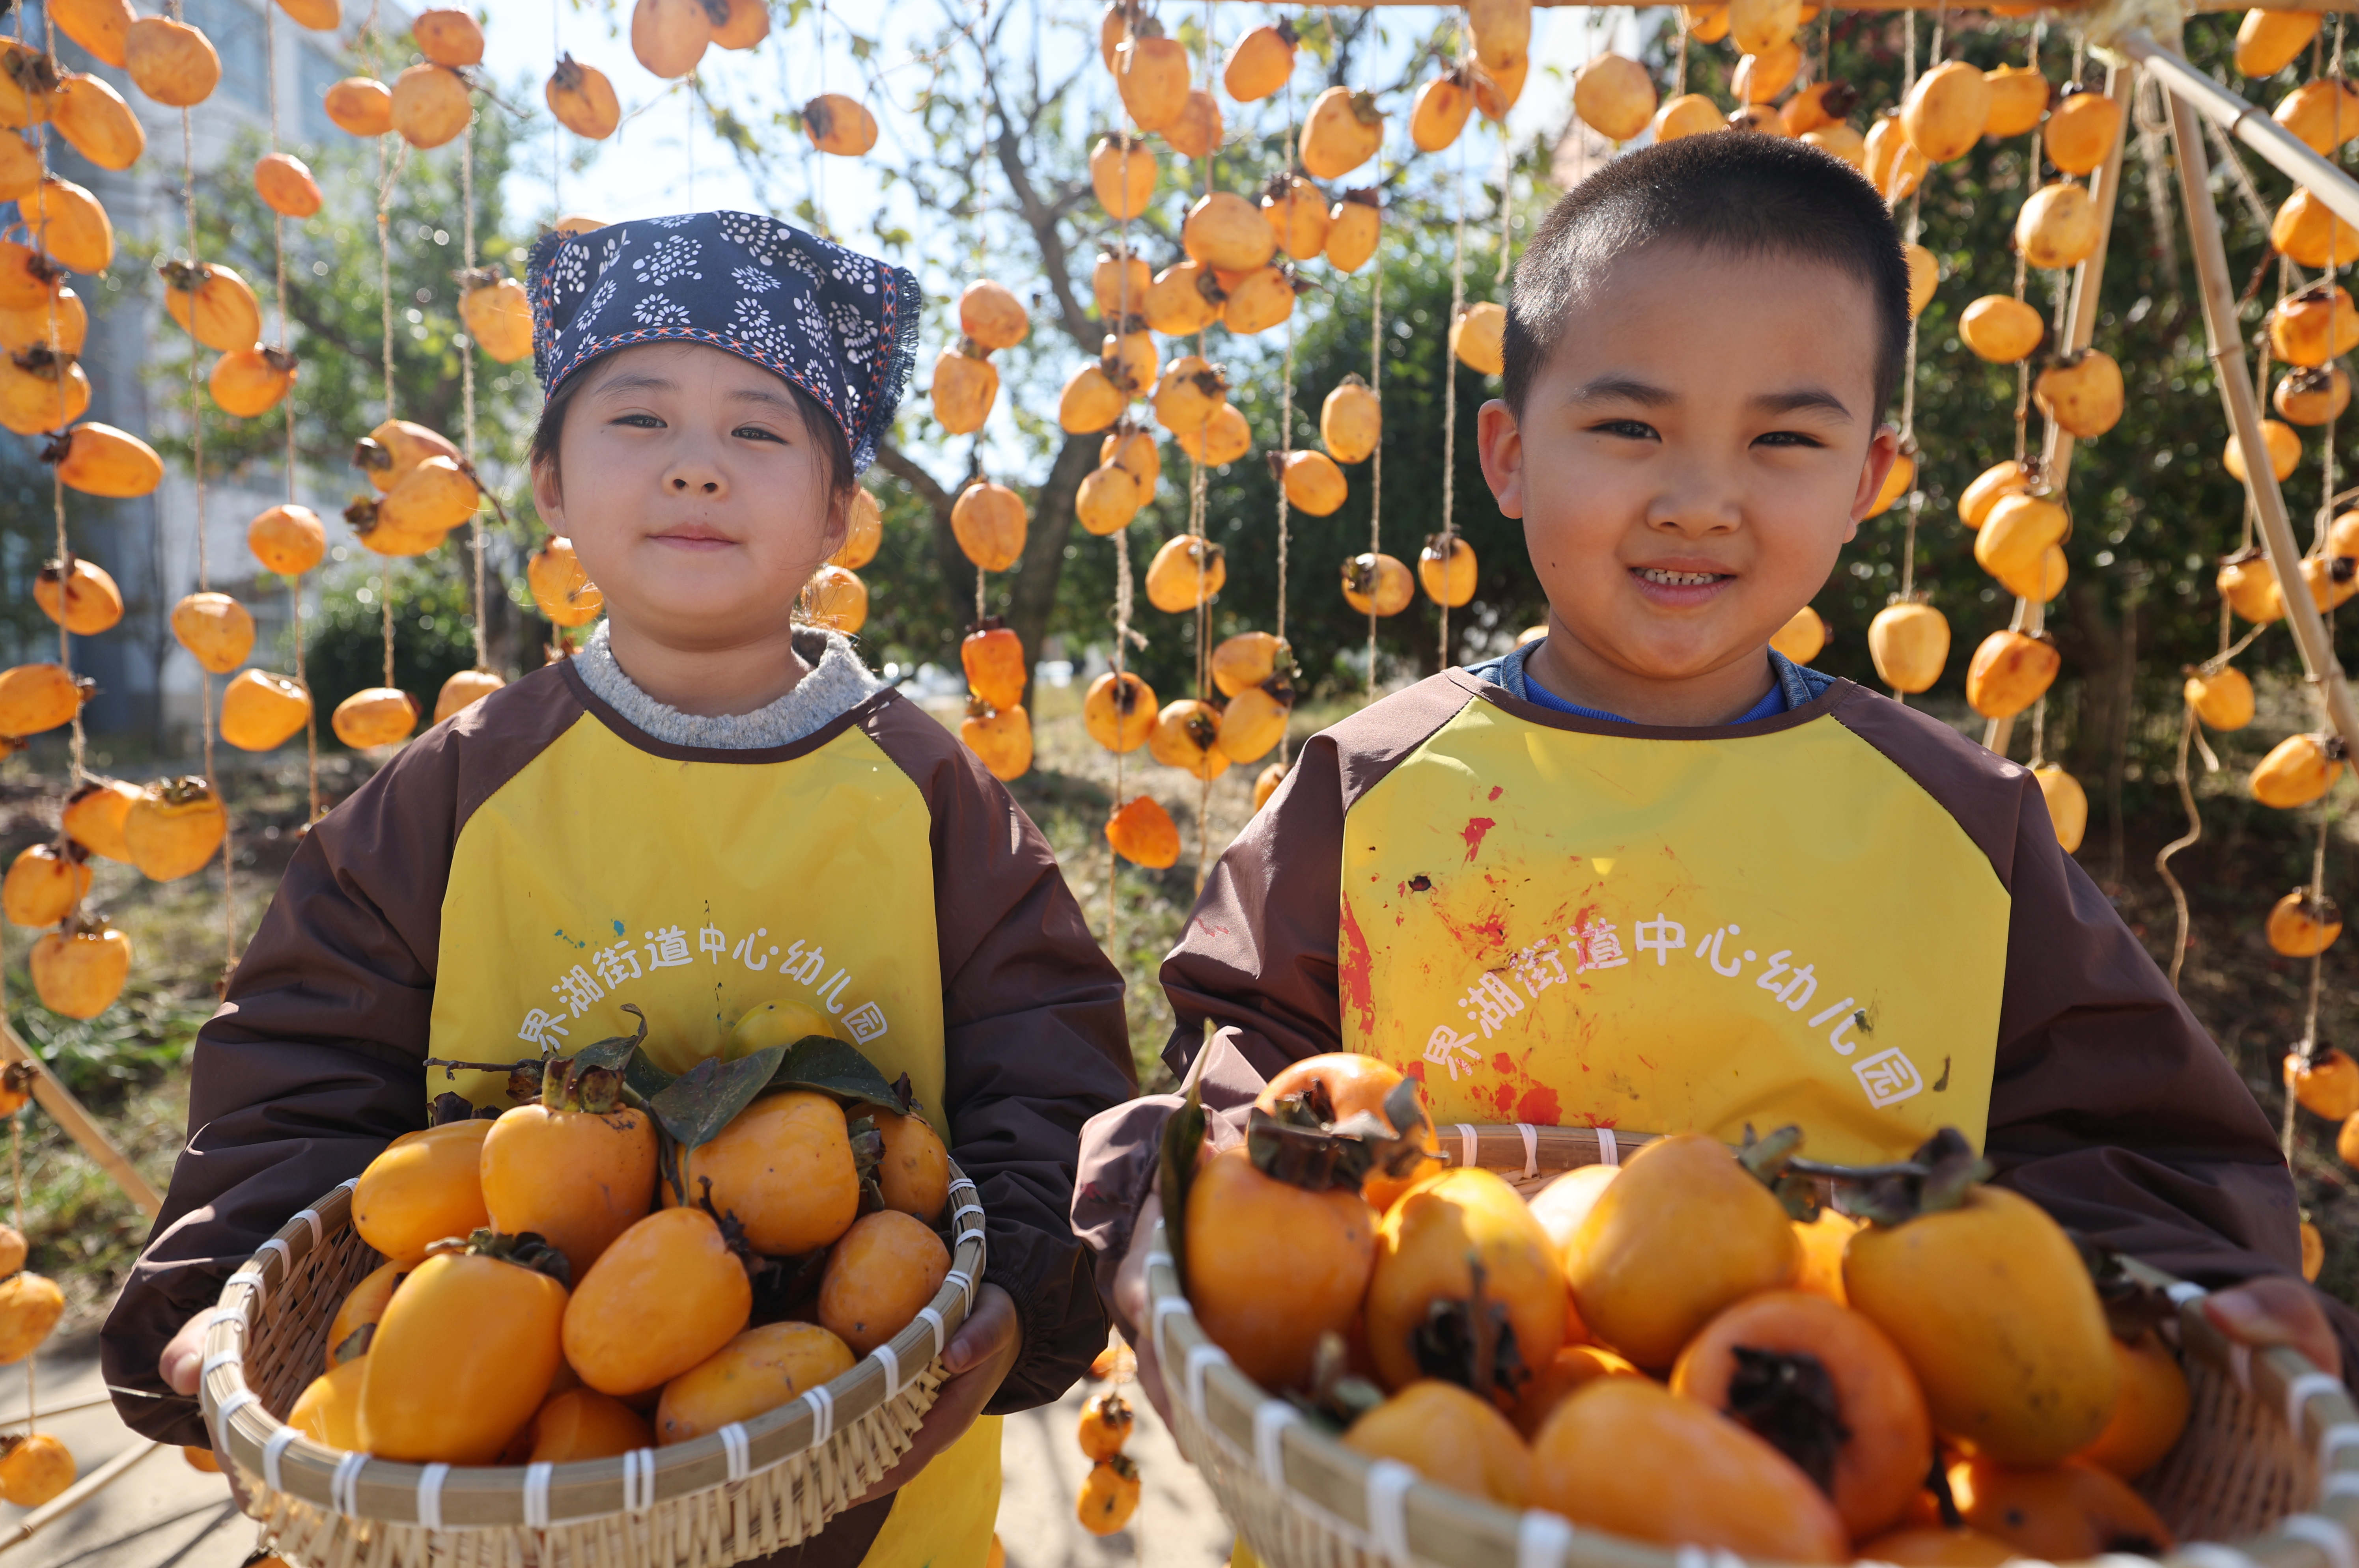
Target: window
pixel 315 70
pixel 235 28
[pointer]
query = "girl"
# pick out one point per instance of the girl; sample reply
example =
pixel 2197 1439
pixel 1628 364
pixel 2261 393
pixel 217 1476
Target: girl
pixel 707 809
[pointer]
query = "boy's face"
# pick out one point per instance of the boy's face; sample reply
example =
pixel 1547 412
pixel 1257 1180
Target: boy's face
pixel 1693 453
pixel 694 493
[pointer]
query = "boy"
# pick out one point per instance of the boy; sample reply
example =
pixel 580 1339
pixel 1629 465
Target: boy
pixel 1646 873
pixel 709 809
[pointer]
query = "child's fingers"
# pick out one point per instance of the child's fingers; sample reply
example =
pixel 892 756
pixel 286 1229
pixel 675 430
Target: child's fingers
pixel 988 1332
pixel 183 1355
pixel 2277 1311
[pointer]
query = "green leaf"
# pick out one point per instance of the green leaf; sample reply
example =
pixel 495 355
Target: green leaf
pixel 827 1064
pixel 1183 1136
pixel 614 1052
pixel 695 1107
pixel 643 1078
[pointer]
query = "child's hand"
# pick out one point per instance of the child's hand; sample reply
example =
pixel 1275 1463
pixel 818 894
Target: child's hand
pixel 977 1359
pixel 2277 1309
pixel 184 1354
pixel 1130 1300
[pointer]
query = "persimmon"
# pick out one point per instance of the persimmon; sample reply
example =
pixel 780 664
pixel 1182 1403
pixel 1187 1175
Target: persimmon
pixel 461 690
pixel 1450 1437
pixel 1446 567
pixel 783 1170
pixel 1119 285
pixel 2313 1244
pixel 2328 1085
pixel 1001 738
pixel 58 321
pixel 1246 660
pixel 1993 485
pixel 1105 1425
pixel 1990 1303
pixel 665 1296
pixel 1478 336
pixel 990 314
pixel 996 669
pixel 1222 438
pixel 2323 112
pixel 1430 1244
pixel 2222 698
pixel 1377 584
pixel 1823 1239
pixel 1828 1389
pixel 1123 174
pixel 2249 584
pixel 29 280
pixel 79 595
pixel 1705 23
pixel 99 459
pixel 2307 229
pixel 2148 1416
pixel 1119 711
pixel 1574 1368
pixel 432 104
pixel 1254 721
pixel 2301 926
pixel 1898 480
pixel 215 629
pixel 1614 96
pixel 2268 41
pixel 1933 1546
pixel 1353 225
pixel 1187 736
pixel 2314 326
pixel 34 1469
pixel 1226 233
pixel 497 314
pixel 363 1306
pixel 2068 804
pixel 758 1370
pixel 2009 671
pixel 1279 1248
pixel 1182 299
pixel 174 827
pixel 45 884
pixel 92 115
pixel 2082 392
pixel 2283 444
pixel 360 106
pixel 744 23
pixel 1197 130
pixel 1187 570
pixel 261 711
pixel 250 382
pixel 391 452
pixel 1344 130
pixel 582 1424
pixel 1089 401
pixel 374 716
pixel 1562 1205
pixel 1354 1084
pixel 1946 111
pixel 171 62
pixel 913 1174
pixel 990 523
pixel 581 98
pixel 1189 392
pixel 1440 110
pixel 2057 226
pixel 562 588
pixel 882 1271
pixel 1109 497
pixel 1688 115
pixel 1296 212
pixel 1312 482
pixel 448 36
pixel 423 1189
pixel 2062 1513
pixel 1802 637
pixel 485 1318
pixel 2081 130
pixel 2001 328
pixel 1150 75
pixel 30 1305
pixel 864 532
pixel 1625 1455
pixel 839 126
pixel 1257 300
pixel 2296 771
pixel 99 26
pixel 1646 1300
pixel 1266 784
pixel 2019 98
pixel 94 815
pixel 1143 833
pixel 1109 1496
pixel 40 392
pixel 37 697
pixel 1893 164
pixel 578 1168
pixel 1260 62
pixel 200 1459
pixel 1818 106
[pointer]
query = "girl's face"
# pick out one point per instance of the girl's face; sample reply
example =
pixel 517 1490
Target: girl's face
pixel 695 494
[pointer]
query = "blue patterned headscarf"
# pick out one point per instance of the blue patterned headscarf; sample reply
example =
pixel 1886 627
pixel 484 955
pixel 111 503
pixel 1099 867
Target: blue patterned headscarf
pixel 840 325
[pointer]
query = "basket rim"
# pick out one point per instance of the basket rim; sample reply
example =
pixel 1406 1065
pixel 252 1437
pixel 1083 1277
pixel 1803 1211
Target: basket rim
pixel 360 1486
pixel 1397 1516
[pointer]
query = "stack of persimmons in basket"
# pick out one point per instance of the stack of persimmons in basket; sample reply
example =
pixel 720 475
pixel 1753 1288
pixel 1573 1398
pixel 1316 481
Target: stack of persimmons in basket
pixel 1687 1348
pixel 628 1260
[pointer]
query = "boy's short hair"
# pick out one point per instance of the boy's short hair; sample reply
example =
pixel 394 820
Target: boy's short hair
pixel 1737 192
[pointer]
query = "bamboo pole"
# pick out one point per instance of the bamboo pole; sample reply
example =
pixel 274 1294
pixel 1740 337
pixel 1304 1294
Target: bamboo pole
pixel 68 1111
pixel 73 1497
pixel 2080 326
pixel 2236 379
pixel 2248 123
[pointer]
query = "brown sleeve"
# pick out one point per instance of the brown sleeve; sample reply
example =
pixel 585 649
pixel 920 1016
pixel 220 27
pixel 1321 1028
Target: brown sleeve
pixel 314 1060
pixel 1257 962
pixel 1035 1043
pixel 2110 1106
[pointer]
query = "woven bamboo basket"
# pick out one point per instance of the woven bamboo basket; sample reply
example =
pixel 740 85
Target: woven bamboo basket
pixel 2270 1463
pixel 752 1489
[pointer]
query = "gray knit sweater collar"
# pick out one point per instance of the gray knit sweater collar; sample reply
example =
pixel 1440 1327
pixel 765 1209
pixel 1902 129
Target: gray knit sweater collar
pixel 838 683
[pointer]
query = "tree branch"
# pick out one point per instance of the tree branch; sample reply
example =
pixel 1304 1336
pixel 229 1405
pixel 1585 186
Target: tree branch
pixel 901 466
pixel 1055 260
